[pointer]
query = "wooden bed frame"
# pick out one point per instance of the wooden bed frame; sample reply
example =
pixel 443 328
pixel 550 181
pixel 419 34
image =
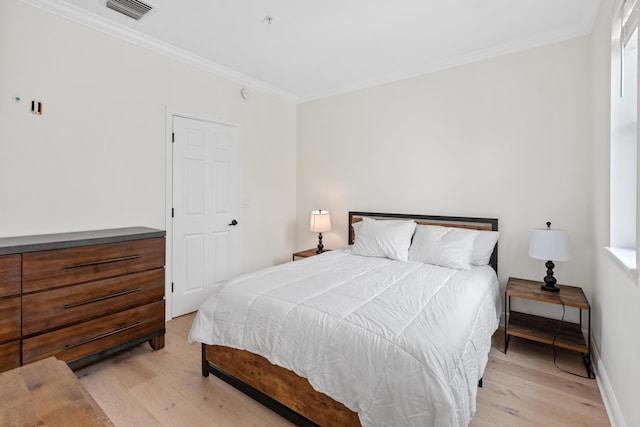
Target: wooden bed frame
pixel 281 389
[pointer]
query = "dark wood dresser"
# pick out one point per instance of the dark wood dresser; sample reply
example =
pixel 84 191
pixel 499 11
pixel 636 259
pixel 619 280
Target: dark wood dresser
pixel 80 296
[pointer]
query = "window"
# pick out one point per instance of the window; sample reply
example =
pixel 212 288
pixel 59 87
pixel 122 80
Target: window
pixel 624 133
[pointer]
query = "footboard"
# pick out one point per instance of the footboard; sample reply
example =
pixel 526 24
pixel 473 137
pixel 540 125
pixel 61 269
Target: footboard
pixel 275 387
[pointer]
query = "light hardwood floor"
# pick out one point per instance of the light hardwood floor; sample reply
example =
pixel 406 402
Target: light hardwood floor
pixel 140 387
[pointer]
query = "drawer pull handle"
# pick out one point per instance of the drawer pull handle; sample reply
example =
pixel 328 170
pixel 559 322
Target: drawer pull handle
pixel 99 337
pixel 102 298
pixel 104 261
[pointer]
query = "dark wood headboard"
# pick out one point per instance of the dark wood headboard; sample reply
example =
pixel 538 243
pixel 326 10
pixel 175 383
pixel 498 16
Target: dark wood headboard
pixel 489 224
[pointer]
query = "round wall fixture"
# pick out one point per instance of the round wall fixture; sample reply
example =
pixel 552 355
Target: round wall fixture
pixel 244 93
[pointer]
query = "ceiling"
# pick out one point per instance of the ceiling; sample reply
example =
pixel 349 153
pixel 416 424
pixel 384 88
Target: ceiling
pixel 312 49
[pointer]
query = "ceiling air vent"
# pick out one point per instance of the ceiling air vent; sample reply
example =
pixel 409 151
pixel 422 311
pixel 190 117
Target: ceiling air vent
pixel 132 8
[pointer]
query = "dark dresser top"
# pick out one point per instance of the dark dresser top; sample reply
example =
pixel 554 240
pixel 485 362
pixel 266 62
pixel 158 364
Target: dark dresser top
pixel 45 242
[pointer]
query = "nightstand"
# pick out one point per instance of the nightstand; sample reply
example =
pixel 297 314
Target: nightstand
pixel 542 329
pixel 306 253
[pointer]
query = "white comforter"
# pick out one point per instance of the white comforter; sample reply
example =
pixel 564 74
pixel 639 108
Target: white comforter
pixel 400 343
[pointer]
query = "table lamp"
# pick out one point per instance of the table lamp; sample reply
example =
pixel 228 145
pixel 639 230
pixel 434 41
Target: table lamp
pixel 550 245
pixel 320 223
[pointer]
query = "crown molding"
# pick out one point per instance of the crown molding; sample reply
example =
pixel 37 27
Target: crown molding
pixel 98 23
pixel 583 29
pixel 93 21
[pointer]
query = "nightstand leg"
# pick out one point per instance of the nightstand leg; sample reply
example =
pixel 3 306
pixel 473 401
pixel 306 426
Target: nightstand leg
pixel 586 359
pixel 507 304
pixel 590 371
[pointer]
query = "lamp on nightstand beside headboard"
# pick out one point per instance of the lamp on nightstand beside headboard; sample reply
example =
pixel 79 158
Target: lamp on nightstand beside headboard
pixel 320 223
pixel 550 245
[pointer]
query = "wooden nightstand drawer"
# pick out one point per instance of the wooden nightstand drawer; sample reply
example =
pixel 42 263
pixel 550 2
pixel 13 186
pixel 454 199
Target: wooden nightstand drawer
pixel 49 269
pixel 10 275
pixel 92 337
pixel 72 304
pixel 9 355
pixel 9 319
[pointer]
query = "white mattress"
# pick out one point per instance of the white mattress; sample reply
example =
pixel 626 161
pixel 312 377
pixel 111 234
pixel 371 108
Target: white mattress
pixel 400 343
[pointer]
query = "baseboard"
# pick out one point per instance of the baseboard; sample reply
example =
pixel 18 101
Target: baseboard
pixel 606 390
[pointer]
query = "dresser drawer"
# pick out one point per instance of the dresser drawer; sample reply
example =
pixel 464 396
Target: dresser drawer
pixel 10 275
pixel 49 269
pixel 9 318
pixel 46 310
pixel 94 336
pixel 9 355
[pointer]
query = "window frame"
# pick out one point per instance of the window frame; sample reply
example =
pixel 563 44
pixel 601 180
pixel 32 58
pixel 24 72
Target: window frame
pixel 623 226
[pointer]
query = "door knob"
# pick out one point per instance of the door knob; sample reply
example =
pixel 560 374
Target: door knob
pixel 234 222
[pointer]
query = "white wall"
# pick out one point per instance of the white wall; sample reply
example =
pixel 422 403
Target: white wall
pixel 96 157
pixel 616 295
pixel 508 137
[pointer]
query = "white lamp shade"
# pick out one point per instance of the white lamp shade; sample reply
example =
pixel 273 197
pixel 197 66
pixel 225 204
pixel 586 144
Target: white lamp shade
pixel 320 221
pixel 550 245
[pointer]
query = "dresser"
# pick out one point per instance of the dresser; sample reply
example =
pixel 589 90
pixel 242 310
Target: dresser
pixel 80 296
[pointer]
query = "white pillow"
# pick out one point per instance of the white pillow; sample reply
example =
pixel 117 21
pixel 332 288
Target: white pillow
pixel 445 246
pixel 383 238
pixel 483 247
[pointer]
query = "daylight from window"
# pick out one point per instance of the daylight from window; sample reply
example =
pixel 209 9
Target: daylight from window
pixel 624 130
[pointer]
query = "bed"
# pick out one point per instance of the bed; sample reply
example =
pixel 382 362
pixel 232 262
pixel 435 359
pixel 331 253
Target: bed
pixel 395 329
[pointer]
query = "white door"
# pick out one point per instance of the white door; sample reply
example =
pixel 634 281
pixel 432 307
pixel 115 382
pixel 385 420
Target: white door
pixel 206 207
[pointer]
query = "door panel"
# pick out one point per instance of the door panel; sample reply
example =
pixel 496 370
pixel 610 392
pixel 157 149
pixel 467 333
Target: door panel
pixel 194 261
pixel 206 199
pixel 222 247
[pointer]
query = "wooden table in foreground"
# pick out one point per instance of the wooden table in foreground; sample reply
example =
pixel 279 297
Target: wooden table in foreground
pixel 47 393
